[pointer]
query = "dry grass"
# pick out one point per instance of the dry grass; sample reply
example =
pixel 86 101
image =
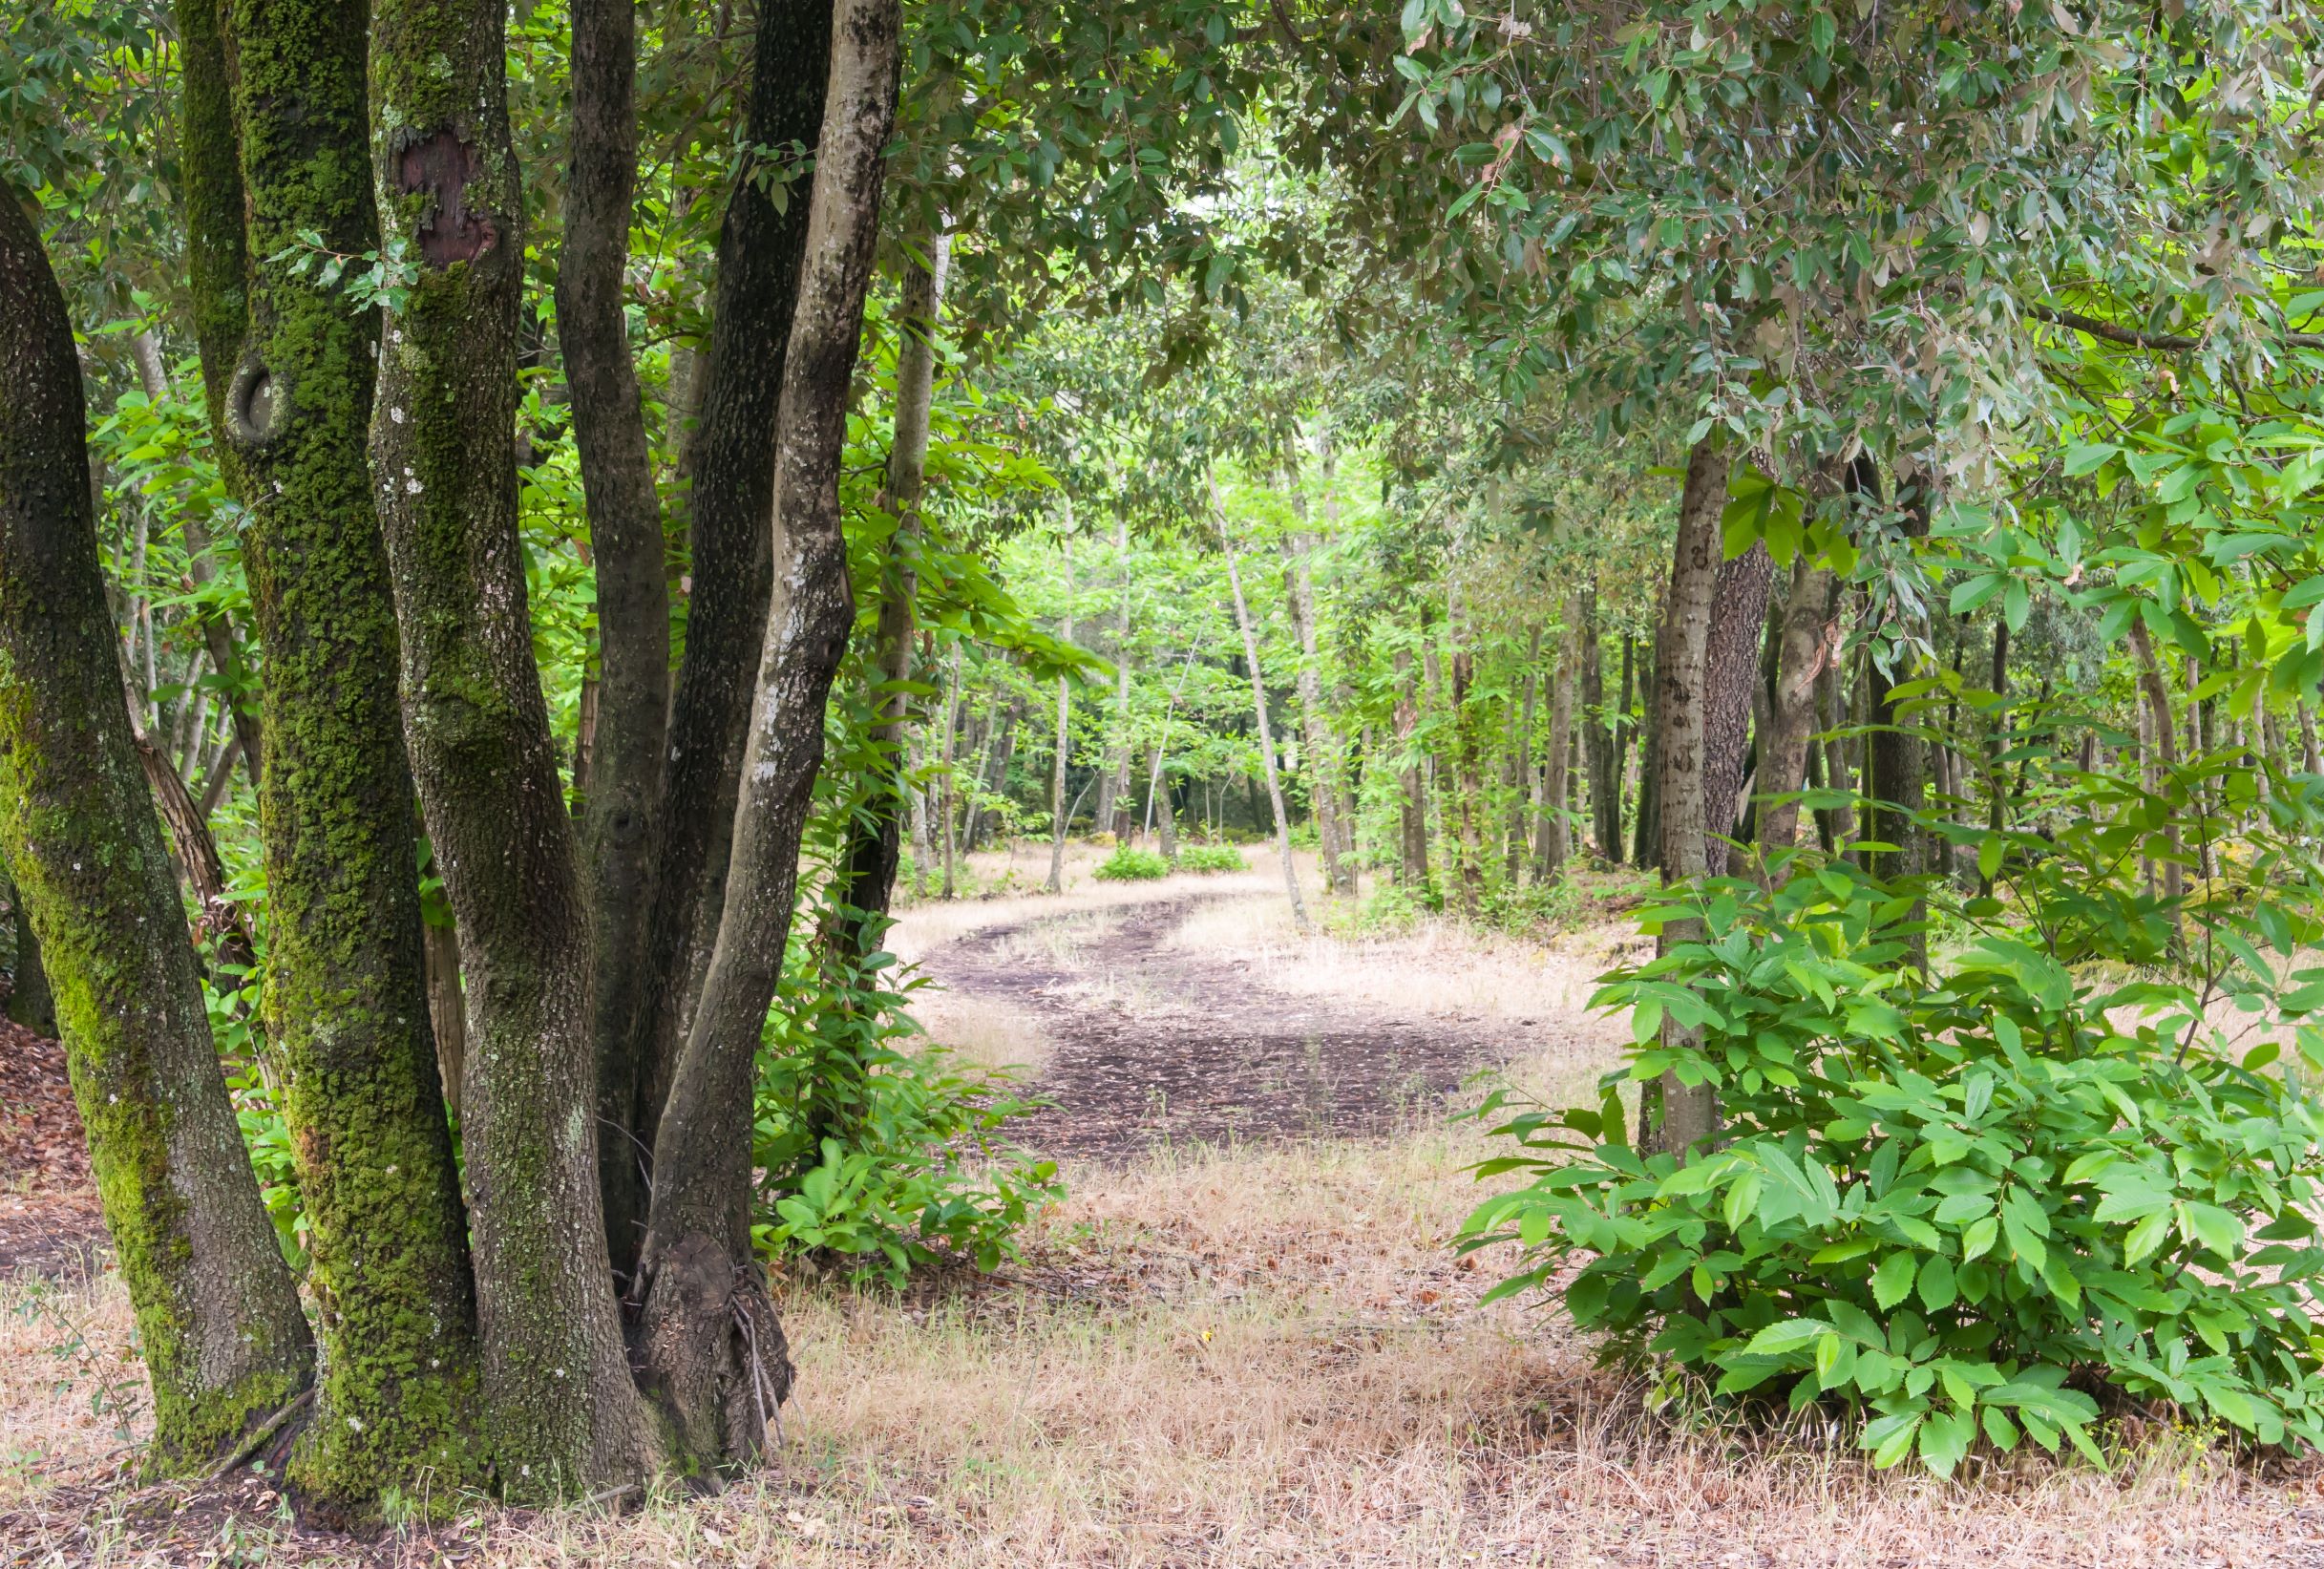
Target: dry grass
pixel 1264 1357
pixel 1248 1356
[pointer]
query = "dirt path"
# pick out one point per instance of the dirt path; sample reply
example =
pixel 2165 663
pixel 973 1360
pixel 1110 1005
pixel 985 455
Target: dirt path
pixel 1153 1042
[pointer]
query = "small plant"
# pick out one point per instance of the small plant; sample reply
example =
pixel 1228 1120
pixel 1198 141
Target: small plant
pixel 1129 865
pixel 384 277
pixel 1211 857
pixel 877 1157
pixel 1959 1202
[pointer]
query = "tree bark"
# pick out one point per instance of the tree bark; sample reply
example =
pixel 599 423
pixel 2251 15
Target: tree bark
pixel 1731 674
pixel 563 1414
pixel 1058 807
pixel 2165 754
pixel 218 1325
pixel 1805 649
pixel 1469 875
pixel 761 257
pixel 1517 777
pixel 217 265
pixel 1324 775
pixel 1685 699
pixel 709 1334
pixel 1552 838
pixel 1412 792
pixel 874 844
pixel 1598 753
pixel 1258 705
pixel 1113 802
pixel 625 745
pixel 398 1403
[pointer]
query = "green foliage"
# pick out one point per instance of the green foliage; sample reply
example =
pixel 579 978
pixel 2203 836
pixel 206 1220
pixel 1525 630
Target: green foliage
pixel 1211 857
pixel 1971 1202
pixel 1129 865
pixel 881 1157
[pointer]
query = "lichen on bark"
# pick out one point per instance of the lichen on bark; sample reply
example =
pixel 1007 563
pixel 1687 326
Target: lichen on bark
pixel 565 1416
pixel 400 1401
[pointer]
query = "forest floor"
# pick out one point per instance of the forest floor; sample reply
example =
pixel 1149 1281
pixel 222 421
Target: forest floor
pixel 1241 1339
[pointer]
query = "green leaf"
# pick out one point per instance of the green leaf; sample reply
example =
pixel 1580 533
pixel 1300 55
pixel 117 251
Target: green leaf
pixel 1937 1285
pixel 1893 1280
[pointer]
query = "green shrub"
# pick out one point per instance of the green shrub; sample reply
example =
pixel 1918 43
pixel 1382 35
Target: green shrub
pixel 1963 1205
pixel 1211 857
pixel 1128 865
pixel 879 1157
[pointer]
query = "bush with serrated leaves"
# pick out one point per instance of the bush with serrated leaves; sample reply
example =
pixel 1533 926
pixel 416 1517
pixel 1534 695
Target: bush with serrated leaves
pixel 1986 1198
pixel 1211 857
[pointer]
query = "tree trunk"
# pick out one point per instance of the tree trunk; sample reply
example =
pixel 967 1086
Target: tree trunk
pixel 1807 647
pixel 1686 698
pixel 398 1404
pixel 708 1332
pixel 2165 752
pixel 1258 705
pixel 563 1412
pixel 1160 809
pixel 217 1318
pixel 1058 806
pixel 217 265
pixel 1646 849
pixel 1553 837
pixel 1113 808
pixel 761 251
pixel 1599 753
pixel 1468 785
pixel 1325 771
pixel 1412 790
pixel 875 840
pixel 1731 674
pixel 947 771
pixel 1517 777
pixel 631 692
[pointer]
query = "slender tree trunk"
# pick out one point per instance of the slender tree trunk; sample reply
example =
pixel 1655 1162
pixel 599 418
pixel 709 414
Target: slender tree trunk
pixel 1160 806
pixel 1683 713
pixel 2312 758
pixel 218 1325
pixel 628 717
pixel 1258 705
pixel 708 1333
pixel 2164 750
pixel 399 1401
pixel 1646 851
pixel 948 769
pixel 1113 815
pixel 563 1414
pixel 1598 753
pixel 869 867
pixel 1792 717
pixel 1552 838
pixel 1517 777
pixel 1059 808
pixel 1325 770
pixel 216 263
pixel 1412 792
pixel 1468 785
pixel 761 251
pixel 1731 674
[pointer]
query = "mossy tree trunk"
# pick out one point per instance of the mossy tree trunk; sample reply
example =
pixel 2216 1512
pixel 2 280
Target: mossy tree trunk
pixel 563 1414
pixel 624 796
pixel 218 1314
pixel 760 249
pixel 711 1346
pixel 399 1402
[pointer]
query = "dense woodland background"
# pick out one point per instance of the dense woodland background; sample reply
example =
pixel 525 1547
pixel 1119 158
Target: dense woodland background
pixel 590 504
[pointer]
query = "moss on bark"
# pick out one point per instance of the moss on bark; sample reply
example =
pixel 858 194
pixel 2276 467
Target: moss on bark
pixel 218 1314
pixel 400 1401
pixel 564 1414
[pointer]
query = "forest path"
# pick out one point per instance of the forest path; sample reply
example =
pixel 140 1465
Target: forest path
pixel 1156 1036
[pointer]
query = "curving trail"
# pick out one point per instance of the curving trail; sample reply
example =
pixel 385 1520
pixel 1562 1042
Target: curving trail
pixel 1156 1042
